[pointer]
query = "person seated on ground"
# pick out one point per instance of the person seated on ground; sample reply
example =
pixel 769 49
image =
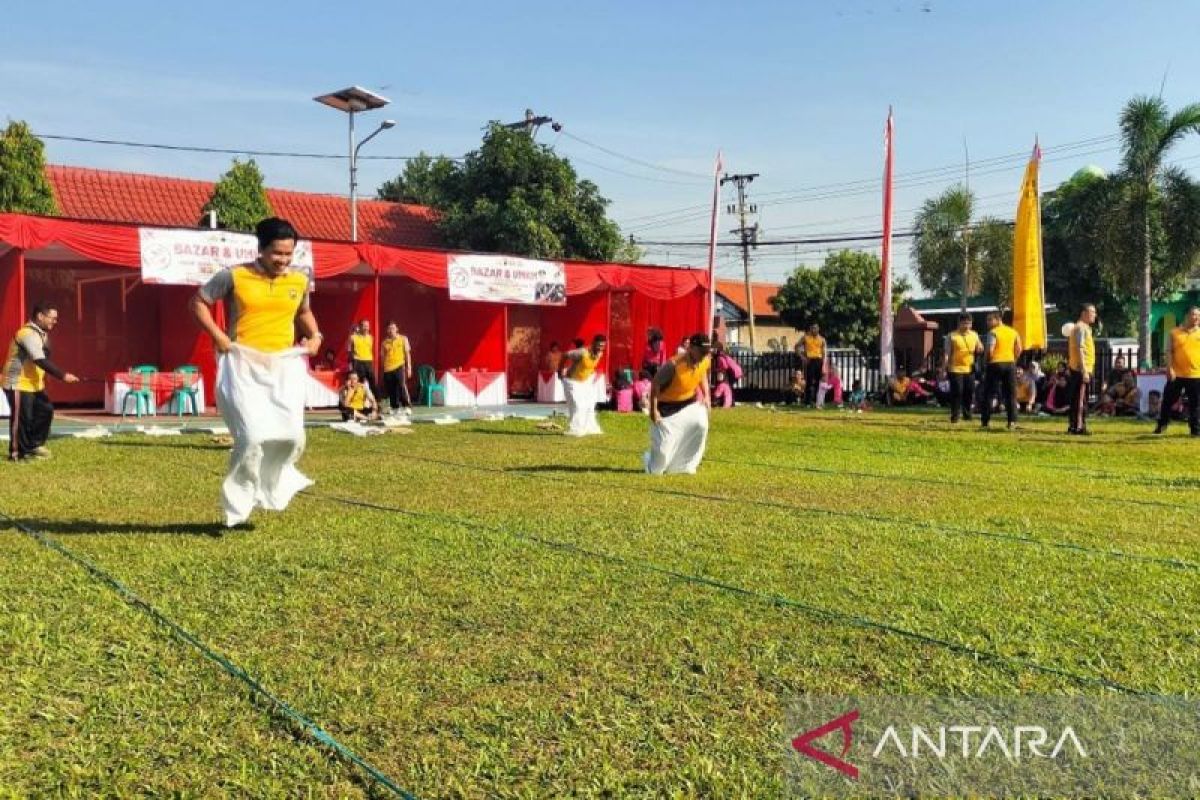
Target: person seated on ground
pixel 928 382
pixel 1057 402
pixel 795 391
pixel 905 391
pixel 1116 375
pixel 356 402
pixel 1128 400
pixel 1026 395
pixel 722 394
pixel 942 390
pixel 553 358
pixel 831 386
pixel 641 391
pixel 858 397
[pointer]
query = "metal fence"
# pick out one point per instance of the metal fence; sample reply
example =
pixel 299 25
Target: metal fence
pixel 767 376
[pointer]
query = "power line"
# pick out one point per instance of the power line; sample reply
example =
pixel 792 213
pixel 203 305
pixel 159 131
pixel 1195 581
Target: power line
pixel 632 160
pixel 224 150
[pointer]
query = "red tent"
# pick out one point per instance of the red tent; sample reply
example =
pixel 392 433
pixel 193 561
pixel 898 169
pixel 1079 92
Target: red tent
pixel 110 320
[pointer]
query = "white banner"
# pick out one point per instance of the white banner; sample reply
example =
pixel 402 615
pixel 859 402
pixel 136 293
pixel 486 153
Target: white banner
pixel 504 279
pixel 190 258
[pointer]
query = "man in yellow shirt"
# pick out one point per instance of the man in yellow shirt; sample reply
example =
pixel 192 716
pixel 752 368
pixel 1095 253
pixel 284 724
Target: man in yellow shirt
pixel 362 353
pixel 397 368
pixel 1081 365
pixel 1003 350
pixel 814 363
pixel 961 348
pixel 1183 372
pixel 579 385
pixel 30 411
pixel 679 404
pixel 260 376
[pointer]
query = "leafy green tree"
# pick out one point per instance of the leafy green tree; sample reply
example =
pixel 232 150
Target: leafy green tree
pixel 842 297
pixel 1149 188
pixel 948 240
pixel 24 188
pixel 239 197
pixel 512 195
pixel 425 181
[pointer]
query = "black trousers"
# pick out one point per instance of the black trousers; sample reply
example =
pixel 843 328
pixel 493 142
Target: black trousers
pixel 1175 388
pixel 812 379
pixel 962 395
pixel 397 389
pixel 1004 377
pixel 365 370
pixel 1077 397
pixel 29 426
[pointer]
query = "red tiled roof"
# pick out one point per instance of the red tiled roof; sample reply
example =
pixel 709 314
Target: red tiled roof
pixel 94 194
pixel 735 292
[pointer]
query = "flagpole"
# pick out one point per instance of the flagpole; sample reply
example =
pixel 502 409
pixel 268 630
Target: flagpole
pixel 886 347
pixel 712 249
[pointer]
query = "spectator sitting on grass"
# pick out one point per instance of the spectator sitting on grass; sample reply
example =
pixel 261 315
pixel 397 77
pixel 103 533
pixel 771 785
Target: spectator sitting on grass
pixel 795 391
pixel 831 384
pixel 722 395
pixel 1057 402
pixel 1117 375
pixel 1026 396
pixel 858 398
pixel 904 391
pixel 1128 400
pixel 356 402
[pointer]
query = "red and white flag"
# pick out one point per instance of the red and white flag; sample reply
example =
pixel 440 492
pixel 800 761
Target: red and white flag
pixel 712 248
pixel 887 365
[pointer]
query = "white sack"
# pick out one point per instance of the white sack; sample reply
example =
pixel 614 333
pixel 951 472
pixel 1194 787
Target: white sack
pixel 677 443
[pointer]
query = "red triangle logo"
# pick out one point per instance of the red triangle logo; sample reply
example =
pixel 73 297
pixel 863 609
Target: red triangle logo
pixel 804 743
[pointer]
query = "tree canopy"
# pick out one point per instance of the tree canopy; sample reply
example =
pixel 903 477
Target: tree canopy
pixel 947 235
pixel 239 197
pixel 511 195
pixel 842 297
pixel 24 187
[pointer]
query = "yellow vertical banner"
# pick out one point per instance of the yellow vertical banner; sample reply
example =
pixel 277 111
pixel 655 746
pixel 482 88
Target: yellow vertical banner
pixel 1028 286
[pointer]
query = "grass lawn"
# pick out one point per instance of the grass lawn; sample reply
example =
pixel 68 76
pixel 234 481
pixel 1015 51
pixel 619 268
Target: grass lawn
pixel 540 628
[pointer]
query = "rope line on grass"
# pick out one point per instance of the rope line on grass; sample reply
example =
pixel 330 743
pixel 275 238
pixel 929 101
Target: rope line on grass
pixel 1174 563
pixel 831 615
pixel 283 707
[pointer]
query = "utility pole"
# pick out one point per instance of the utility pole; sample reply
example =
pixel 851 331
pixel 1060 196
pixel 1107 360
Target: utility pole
pixel 966 232
pixel 532 123
pixel 748 234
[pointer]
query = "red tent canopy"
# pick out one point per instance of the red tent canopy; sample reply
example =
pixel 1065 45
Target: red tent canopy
pixel 112 320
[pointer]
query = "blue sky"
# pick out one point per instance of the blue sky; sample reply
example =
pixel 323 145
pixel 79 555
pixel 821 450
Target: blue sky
pixel 795 91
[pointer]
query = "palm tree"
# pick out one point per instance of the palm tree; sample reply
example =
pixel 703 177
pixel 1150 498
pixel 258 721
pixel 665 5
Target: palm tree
pixel 1148 131
pixel 955 255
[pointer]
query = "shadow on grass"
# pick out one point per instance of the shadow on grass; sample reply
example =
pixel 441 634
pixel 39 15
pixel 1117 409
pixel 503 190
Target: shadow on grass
pixel 70 527
pixel 173 444
pixel 572 468
pixel 493 432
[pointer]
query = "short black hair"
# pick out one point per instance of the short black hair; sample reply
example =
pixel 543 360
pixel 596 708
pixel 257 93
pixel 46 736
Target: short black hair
pixel 578 343
pixel 553 345
pixel 1085 306
pixel 964 317
pixel 599 338
pixel 1006 316
pixel 42 307
pixel 1155 393
pixel 274 229
pixel 698 340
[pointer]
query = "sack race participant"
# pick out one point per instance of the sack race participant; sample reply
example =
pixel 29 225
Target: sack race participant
pixel 260 374
pixel 579 387
pixel 679 405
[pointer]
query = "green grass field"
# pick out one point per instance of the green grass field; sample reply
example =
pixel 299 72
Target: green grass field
pixel 549 622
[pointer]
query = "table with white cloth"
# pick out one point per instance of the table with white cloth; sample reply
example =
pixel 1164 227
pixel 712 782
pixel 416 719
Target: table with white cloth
pixel 4 412
pixel 550 388
pixel 469 388
pixel 162 386
pixel 321 389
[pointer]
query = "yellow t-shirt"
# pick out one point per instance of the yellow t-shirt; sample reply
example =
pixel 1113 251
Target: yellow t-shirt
pixel 686 380
pixel 1004 341
pixel 962 351
pixel 394 352
pixel 21 373
pixel 583 366
pixel 900 388
pixel 814 346
pixel 362 346
pixel 262 308
pixel 1185 353
pixel 1081 357
pixel 1026 391
pixel 356 398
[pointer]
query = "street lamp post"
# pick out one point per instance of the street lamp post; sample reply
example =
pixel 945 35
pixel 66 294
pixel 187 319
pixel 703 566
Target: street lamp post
pixel 352 101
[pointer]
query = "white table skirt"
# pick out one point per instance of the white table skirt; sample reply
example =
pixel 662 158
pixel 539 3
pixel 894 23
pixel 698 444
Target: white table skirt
pixel 550 389
pixel 115 391
pixel 459 390
pixel 4 412
pixel 494 394
pixel 319 395
pixel 455 392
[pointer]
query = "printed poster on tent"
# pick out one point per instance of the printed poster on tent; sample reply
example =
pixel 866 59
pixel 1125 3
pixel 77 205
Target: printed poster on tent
pixel 190 258
pixel 505 279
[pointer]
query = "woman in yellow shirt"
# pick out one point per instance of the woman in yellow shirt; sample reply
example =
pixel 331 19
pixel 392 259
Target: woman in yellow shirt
pixel 1183 372
pixel 579 385
pixel 397 368
pixel 679 404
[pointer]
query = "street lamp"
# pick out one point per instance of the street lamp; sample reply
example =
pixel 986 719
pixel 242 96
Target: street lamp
pixel 352 101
